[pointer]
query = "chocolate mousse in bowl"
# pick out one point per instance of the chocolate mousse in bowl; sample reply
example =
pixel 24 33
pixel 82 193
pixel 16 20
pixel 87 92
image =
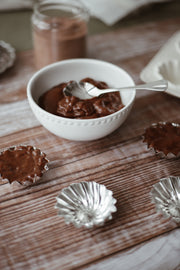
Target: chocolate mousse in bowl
pixel 59 31
pixel 56 102
pixel 70 117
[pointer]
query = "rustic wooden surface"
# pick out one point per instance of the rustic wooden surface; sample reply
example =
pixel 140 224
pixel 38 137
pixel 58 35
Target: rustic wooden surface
pixel 32 236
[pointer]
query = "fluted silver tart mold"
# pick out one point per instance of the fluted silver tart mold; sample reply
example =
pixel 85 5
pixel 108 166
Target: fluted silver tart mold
pixel 7 56
pixel 166 197
pixel 86 204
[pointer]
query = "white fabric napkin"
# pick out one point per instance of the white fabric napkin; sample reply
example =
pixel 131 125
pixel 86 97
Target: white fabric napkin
pixel 15 4
pixel 108 11
pixel 111 11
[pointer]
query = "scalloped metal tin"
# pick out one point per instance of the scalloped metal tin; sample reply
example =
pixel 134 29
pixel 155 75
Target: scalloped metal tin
pixel 31 175
pixel 7 56
pixel 86 204
pixel 163 153
pixel 166 197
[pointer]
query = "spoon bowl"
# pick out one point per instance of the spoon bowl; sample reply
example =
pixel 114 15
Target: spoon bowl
pixel 86 90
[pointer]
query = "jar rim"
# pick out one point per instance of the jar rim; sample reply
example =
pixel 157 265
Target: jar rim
pixel 81 10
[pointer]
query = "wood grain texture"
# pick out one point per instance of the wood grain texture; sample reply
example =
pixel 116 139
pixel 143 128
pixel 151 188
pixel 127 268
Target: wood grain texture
pixel 158 253
pixel 32 236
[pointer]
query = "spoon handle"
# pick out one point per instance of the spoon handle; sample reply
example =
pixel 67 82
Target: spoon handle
pixel 160 85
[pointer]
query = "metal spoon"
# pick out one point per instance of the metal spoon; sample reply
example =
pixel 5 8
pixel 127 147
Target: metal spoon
pixel 85 90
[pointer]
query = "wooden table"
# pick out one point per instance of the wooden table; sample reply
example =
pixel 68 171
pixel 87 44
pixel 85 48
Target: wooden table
pixel 32 236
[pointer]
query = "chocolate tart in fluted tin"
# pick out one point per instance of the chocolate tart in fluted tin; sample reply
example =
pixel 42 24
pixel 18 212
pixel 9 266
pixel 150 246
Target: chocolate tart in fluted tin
pixel 164 139
pixel 86 204
pixel 22 164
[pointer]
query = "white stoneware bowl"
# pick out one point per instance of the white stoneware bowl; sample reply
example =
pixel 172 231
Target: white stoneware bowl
pixel 77 69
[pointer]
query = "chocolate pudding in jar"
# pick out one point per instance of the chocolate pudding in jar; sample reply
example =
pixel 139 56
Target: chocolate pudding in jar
pixel 59 31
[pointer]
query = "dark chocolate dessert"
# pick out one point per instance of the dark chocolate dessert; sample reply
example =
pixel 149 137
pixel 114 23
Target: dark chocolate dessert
pixel 24 164
pixel 164 137
pixel 56 102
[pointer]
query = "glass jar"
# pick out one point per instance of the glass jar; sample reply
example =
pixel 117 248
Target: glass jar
pixel 59 31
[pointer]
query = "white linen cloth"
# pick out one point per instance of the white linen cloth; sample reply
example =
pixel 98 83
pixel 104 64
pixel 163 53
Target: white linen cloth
pixel 108 11
pixel 15 4
pixel 111 11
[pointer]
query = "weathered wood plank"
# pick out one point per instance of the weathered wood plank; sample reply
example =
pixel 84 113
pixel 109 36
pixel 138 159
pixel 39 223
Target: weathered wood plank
pixel 31 234
pixel 13 82
pixel 131 48
pixel 163 250
pixel 33 207
pixel 124 44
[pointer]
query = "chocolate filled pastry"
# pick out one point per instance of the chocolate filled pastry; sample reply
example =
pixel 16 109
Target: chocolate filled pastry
pixel 164 138
pixel 22 164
